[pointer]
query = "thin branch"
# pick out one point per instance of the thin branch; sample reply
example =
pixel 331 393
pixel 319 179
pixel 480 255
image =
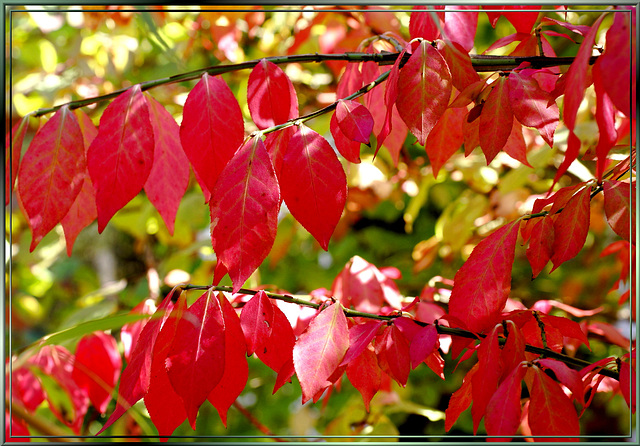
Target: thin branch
pixel 253 420
pixel 299 300
pixel 53 432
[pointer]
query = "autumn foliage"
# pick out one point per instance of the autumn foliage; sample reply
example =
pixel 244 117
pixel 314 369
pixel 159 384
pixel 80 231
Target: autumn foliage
pixel 422 86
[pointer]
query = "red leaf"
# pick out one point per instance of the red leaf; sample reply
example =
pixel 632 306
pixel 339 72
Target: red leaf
pixel 421 22
pixel 481 287
pixel 121 156
pixel 354 120
pixel 462 72
pixel 360 337
pixel 134 381
pixel 522 21
pixel 212 129
pixel 533 106
pixel 605 117
pixel 51 173
pixel 540 247
pixel 567 376
pixel 277 144
pixel 390 97
pixel 615 61
pixel 197 350
pixel 313 184
pixel 423 344
pixel 571 228
pixel 515 146
pixel 15 139
pixel 169 176
pixel 392 349
pixel 14 428
pixel 513 351
pixel 620 211
pixel 446 138
pixel 365 375
pixel 256 320
pixel 25 388
pixel 160 395
pixel 83 211
pixel 97 368
pixel 504 410
pixel 350 81
pixel 348 148
pixel 424 89
pixel 461 27
pixel 271 96
pixel 567 327
pixel 627 384
pixel 551 412
pixel 277 351
pixel 236 370
pixel 320 349
pixel 486 379
pixel 130 333
pixel 244 211
pixel 496 120
pixel 460 400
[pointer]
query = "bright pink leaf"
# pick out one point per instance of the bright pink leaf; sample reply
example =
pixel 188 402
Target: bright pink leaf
pixel 313 184
pixel 423 344
pixel 121 156
pixel 212 129
pixel 462 72
pixel 392 349
pixel 354 120
pixel 568 377
pixel 169 176
pixel 14 428
pixel 571 228
pixel 83 211
pixel 97 368
pixel 551 412
pixel 421 22
pixel 365 375
pixel 424 89
pixel 51 173
pixel 134 381
pixel 236 370
pixel 350 81
pixel 504 410
pixel 244 211
pixel 348 148
pixel 620 211
pixel 533 106
pixel 160 394
pixel 25 388
pixel 271 96
pixel 522 21
pixel 446 138
pixel 496 119
pixel 516 146
pixel 390 96
pixel 256 320
pixel 481 287
pixel 14 149
pixel 540 247
pixel 320 349
pixel 460 27
pixel 197 350
pixel 360 336
pixel 277 352
pixel 130 333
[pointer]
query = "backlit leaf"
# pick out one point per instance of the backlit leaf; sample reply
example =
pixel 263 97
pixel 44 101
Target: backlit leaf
pixel 277 350
pixel 421 22
pixel 271 96
pixel 365 375
pixel 424 89
pixel 481 287
pixel 360 336
pixel 256 320
pixel 15 139
pixel 571 228
pixel 244 211
pixel 486 379
pixel 460 400
pixel 540 247
pixel 354 120
pixel 211 131
pixel 51 173
pixel 320 349
pixel 461 27
pixel 313 184
pixel 348 148
pixel 496 119
pixel 605 117
pixel 503 409
pixel 121 156
pixel 619 210
pixel 446 138
pixel 423 344
pixel 462 72
pixel 392 349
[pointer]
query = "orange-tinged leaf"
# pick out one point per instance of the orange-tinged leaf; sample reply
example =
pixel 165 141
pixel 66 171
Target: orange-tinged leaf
pixel 551 412
pixel 533 106
pixel 212 129
pixel 460 400
pixel 365 375
pixel 197 351
pixel 14 150
pixel 540 247
pixel 121 156
pixel 320 349
pixel 421 22
pixel 481 287
pixel 51 173
pixel 270 94
pixel 571 228
pixel 620 211
pixel 461 28
pixel 160 395
pixel 462 72
pixel 244 211
pixel 446 138
pixel 424 89
pixel 313 184
pixel 236 370
pixel 496 119
pixel 354 120
pixel 516 146
pixel 169 176
pixel 256 320
pixel 504 410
